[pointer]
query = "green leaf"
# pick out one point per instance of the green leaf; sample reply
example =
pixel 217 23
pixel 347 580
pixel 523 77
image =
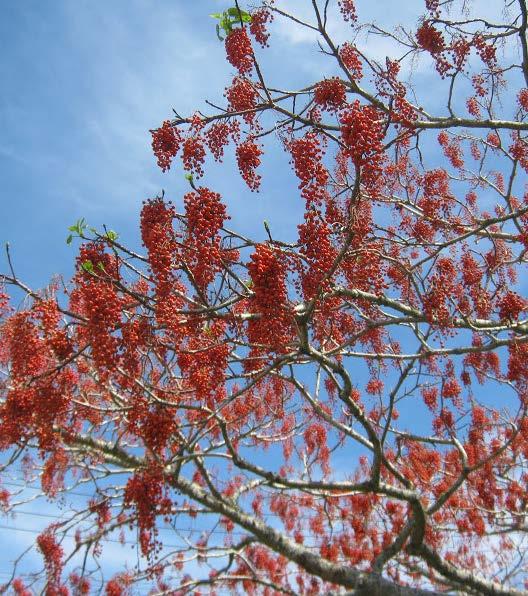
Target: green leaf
pixel 111 235
pixel 226 24
pixel 234 12
pixel 217 15
pixel 218 33
pixel 100 266
pixel 69 238
pixel 78 226
pixel 239 15
pixel 87 266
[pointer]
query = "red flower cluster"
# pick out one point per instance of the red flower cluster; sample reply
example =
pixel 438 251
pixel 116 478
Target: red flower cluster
pixel 239 51
pixel 258 26
pixel 241 96
pixel 362 133
pixel 166 143
pixel 452 149
pixel 486 51
pixel 100 303
pixel 204 363
pixel 159 239
pixel 19 588
pixel 430 39
pixel 348 10
pixel 314 236
pixel 473 107
pixel 47 312
pixel 315 441
pixel 52 552
pixel 442 290
pixel 144 492
pixel 350 58
pixel 248 158
pixel 511 305
pixel 193 155
pixel 217 138
pixel 118 585
pixel 493 139
pixel 81 585
pixel 519 151
pixel 206 215
pixel 460 50
pixel 522 98
pixel 330 94
pixel 268 275
pixel 307 153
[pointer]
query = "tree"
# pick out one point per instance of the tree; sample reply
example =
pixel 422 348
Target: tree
pixel 344 412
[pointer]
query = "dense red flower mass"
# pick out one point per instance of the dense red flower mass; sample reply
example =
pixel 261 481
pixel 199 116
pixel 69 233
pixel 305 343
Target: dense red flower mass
pixel 350 57
pixel 325 394
pixel 242 96
pixel 239 50
pixel 166 143
pixel 330 94
pixel 429 38
pixel 205 217
pixel 248 158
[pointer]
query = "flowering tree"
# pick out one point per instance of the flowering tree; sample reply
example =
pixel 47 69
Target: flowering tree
pixel 343 412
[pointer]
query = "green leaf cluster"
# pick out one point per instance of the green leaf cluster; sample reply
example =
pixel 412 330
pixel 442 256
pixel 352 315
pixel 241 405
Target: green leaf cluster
pixel 229 18
pixel 79 228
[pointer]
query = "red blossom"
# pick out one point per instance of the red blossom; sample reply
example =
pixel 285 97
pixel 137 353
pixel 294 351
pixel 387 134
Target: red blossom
pixel 248 158
pixel 166 143
pixel 330 94
pixel 239 51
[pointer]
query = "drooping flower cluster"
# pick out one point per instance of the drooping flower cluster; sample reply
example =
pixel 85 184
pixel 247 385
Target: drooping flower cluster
pixel 145 492
pixel 53 553
pixel 522 98
pixel 319 253
pixel 486 51
pixel 268 275
pixel 99 302
pixel 239 50
pixel 429 38
pixel 166 142
pixel 443 288
pixel 159 239
pixel 350 57
pixel 217 138
pixel 241 96
pixel 362 133
pixel 511 305
pixel 348 10
pixel 330 94
pixel 248 159
pixel 193 155
pixel 258 26
pixel 205 216
pixel 452 149
pixel 519 152
pixel 203 363
pixel 307 153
